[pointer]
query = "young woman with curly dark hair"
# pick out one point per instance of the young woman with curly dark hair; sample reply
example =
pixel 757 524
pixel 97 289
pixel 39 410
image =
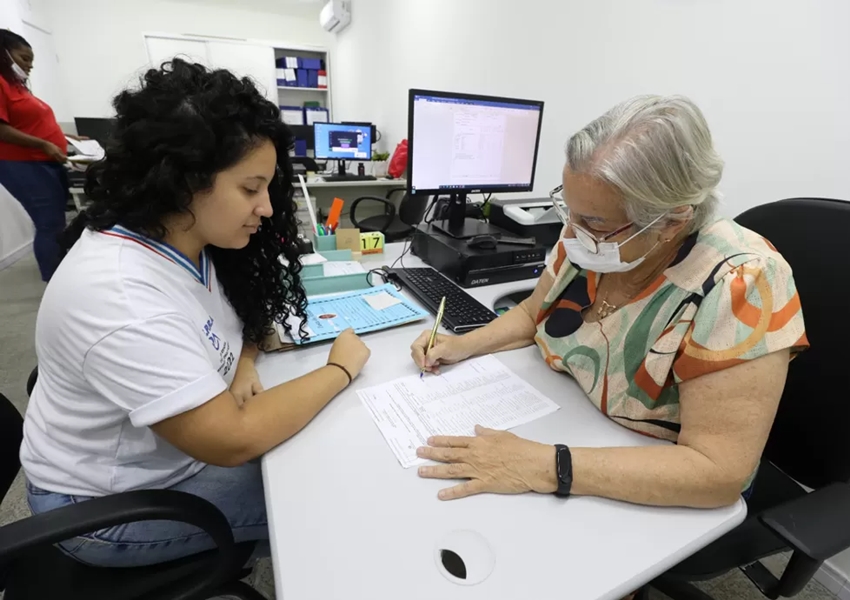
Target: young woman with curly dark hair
pixel 147 333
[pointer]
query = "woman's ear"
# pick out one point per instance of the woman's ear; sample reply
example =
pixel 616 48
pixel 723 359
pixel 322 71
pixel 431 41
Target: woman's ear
pixel 680 217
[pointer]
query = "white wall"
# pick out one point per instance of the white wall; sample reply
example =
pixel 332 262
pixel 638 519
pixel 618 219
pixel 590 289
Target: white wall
pixel 10 15
pixel 13 14
pixel 772 76
pixel 102 49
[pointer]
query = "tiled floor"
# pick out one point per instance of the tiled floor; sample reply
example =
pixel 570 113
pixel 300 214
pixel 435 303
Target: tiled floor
pixel 20 292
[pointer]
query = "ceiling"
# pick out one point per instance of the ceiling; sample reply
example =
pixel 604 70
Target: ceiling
pixel 293 8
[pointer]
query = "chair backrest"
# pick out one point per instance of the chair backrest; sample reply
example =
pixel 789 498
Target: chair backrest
pixel 411 211
pixel 810 440
pixel 11 435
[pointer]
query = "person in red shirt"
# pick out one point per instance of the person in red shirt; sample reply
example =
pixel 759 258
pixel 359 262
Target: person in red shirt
pixel 32 151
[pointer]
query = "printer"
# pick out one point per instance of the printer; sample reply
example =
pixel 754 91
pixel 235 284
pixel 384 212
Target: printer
pixel 527 217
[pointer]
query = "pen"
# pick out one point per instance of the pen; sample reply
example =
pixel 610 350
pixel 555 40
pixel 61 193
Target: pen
pixel 440 312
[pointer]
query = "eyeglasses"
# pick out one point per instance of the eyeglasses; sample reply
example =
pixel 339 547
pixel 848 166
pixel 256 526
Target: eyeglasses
pixel 587 239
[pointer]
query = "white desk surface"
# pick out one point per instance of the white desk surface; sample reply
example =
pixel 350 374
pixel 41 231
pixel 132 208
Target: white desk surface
pixel 317 182
pixel 347 521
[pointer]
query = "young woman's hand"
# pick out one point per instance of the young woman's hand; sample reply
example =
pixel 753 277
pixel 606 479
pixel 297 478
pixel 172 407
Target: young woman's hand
pixel 54 152
pixel 350 352
pixel 246 382
pixel 447 350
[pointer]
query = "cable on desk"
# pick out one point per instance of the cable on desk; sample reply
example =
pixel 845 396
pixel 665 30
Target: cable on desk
pixel 384 272
pixel 409 241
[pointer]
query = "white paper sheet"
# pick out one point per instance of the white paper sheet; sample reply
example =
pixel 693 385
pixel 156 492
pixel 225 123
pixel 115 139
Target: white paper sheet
pixel 312 259
pixel 482 391
pixel 88 148
pixel 343 267
pixel 381 301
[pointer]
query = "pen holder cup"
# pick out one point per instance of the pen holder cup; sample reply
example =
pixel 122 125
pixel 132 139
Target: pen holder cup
pixel 324 242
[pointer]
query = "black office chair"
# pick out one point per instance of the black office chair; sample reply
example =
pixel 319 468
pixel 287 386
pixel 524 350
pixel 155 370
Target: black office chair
pixel 32 567
pixel 809 441
pixel 394 226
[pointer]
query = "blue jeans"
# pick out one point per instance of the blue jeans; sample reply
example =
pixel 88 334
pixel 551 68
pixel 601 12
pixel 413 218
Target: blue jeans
pixel 42 189
pixel 237 492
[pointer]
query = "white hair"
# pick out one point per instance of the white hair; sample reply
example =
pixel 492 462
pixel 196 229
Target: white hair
pixel 657 151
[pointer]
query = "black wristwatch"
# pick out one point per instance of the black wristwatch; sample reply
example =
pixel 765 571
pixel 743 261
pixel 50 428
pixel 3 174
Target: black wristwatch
pixel 564 469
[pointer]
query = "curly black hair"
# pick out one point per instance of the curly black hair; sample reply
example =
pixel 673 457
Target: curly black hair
pixel 172 135
pixel 9 40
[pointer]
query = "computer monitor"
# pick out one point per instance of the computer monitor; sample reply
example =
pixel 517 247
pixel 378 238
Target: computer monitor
pixel 460 144
pixel 335 141
pixel 95 128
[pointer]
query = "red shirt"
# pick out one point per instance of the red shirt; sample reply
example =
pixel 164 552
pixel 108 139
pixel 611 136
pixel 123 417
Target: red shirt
pixel 26 113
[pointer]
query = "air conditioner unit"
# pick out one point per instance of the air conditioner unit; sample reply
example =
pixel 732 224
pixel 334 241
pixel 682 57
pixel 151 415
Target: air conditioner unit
pixel 336 15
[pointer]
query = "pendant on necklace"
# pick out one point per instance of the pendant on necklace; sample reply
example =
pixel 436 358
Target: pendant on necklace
pixel 605 310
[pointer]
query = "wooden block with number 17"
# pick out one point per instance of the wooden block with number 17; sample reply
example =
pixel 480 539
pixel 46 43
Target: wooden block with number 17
pixel 372 242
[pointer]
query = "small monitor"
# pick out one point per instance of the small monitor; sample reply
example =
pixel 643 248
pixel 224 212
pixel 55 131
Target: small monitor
pixel 334 141
pixel 464 143
pixel 95 128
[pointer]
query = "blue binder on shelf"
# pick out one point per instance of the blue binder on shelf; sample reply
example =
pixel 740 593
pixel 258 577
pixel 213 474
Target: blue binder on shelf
pixel 312 78
pixel 292 115
pixel 314 64
pixel 301 75
pixel 316 114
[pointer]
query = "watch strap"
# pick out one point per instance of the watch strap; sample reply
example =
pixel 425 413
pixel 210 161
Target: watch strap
pixel 564 470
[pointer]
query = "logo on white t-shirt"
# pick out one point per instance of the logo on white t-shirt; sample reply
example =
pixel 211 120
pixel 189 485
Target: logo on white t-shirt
pixel 219 345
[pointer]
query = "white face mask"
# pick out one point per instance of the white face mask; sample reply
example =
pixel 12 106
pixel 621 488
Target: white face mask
pixel 607 259
pixel 17 70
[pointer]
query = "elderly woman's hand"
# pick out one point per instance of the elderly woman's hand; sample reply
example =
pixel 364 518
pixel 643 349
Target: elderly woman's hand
pixel 493 461
pixel 447 350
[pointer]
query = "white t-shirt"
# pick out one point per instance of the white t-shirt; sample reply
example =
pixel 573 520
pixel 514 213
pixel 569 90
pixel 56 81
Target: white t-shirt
pixel 129 333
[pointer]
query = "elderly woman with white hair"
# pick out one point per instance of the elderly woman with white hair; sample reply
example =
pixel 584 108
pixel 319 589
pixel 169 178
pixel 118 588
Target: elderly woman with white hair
pixel 676 324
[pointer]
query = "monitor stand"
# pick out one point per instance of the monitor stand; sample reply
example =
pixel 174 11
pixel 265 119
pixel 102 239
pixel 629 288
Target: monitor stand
pixel 341 168
pixel 457 225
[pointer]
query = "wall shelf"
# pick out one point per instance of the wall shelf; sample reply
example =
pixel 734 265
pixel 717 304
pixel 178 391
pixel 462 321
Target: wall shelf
pixel 290 88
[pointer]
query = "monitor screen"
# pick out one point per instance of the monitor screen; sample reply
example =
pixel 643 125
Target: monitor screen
pixel 471 143
pixel 342 142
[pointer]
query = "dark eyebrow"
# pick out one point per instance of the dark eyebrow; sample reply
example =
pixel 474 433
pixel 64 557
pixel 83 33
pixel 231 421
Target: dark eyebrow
pixel 262 178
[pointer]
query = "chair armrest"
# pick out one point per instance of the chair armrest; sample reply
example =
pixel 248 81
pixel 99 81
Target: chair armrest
pixel 390 211
pixel 817 524
pixel 98 513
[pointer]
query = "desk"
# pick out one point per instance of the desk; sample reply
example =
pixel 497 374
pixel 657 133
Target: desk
pixel 346 521
pixel 79 196
pixel 376 183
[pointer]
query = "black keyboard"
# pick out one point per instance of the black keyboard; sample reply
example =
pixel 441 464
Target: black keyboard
pixel 463 312
pixel 349 177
